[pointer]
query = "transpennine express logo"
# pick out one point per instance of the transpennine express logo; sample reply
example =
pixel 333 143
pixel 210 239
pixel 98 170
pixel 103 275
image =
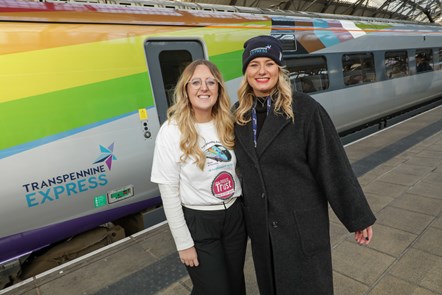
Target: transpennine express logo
pixel 71 184
pixel 106 156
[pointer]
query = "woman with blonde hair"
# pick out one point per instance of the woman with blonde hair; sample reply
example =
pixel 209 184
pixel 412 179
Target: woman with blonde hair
pixel 291 164
pixel 194 166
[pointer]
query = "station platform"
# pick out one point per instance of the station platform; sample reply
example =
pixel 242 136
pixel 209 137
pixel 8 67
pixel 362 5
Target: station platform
pixel 400 170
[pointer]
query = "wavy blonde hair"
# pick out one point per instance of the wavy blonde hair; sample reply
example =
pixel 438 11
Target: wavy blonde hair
pixel 182 113
pixel 282 95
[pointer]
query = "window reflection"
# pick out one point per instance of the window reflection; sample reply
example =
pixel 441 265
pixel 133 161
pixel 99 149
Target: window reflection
pixel 424 60
pixel 396 64
pixel 308 74
pixel 358 68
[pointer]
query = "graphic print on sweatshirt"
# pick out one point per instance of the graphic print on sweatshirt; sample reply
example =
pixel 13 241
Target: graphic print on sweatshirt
pixel 218 153
pixel 219 159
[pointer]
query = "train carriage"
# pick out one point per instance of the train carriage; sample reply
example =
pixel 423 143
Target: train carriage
pixel 85 88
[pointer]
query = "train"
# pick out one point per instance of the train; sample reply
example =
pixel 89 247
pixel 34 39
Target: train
pixel 85 86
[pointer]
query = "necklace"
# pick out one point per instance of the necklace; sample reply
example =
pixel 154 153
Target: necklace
pixel 261 100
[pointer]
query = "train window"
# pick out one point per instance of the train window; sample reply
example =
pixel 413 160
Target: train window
pixel 308 74
pixel 396 64
pixel 172 63
pixel 424 60
pixel 358 68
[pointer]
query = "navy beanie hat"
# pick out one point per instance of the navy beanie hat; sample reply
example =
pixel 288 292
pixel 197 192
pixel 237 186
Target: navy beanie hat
pixel 261 46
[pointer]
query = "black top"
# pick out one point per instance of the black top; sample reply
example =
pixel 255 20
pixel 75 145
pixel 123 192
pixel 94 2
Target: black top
pixel 261 113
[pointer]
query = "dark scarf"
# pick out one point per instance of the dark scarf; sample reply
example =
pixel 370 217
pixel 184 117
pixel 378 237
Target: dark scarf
pixel 261 113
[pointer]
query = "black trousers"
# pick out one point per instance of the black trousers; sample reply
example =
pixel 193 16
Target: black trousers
pixel 220 241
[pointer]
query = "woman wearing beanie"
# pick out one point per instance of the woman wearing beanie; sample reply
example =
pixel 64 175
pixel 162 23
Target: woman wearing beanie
pixel 194 166
pixel 291 165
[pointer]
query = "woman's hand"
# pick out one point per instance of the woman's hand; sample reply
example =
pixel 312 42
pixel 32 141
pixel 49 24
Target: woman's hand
pixel 363 237
pixel 189 257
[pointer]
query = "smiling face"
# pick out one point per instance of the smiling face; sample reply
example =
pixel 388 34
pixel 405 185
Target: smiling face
pixel 262 75
pixel 202 90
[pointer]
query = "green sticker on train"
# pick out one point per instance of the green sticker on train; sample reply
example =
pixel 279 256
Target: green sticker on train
pixel 100 201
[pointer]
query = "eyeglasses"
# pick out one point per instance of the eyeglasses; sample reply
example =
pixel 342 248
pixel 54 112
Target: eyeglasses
pixel 197 83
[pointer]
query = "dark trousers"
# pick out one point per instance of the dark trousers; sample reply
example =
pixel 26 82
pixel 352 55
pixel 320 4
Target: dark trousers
pixel 220 241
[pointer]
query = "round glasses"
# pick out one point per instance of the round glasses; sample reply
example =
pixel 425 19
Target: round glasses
pixel 197 83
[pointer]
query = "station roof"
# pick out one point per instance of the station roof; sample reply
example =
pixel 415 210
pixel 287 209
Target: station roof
pixel 428 11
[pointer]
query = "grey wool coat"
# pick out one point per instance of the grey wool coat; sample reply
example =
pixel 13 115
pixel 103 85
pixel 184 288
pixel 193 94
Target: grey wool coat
pixel 288 180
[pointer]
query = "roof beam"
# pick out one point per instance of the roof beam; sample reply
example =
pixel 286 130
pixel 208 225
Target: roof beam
pixel 326 5
pixel 336 6
pixel 386 3
pixel 309 5
pixel 420 8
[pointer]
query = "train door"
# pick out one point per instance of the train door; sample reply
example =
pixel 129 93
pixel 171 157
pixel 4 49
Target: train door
pixel 166 61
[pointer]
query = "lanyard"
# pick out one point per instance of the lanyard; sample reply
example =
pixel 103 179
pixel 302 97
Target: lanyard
pixel 255 118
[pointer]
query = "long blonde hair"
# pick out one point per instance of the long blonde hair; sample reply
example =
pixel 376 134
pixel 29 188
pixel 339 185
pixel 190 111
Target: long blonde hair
pixel 282 95
pixel 182 113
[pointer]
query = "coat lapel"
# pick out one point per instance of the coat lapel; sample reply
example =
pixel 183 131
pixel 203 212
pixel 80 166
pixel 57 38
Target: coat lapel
pixel 244 136
pixel 273 125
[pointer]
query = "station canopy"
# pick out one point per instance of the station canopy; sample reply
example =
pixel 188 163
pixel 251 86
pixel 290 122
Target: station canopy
pixel 427 11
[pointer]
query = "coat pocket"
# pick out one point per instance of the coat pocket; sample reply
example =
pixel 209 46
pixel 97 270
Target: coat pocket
pixel 313 229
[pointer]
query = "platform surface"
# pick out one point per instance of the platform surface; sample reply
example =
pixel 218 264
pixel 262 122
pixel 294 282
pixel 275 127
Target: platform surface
pixel 400 170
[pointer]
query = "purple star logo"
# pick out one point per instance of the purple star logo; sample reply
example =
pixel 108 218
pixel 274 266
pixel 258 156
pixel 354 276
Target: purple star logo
pixel 106 156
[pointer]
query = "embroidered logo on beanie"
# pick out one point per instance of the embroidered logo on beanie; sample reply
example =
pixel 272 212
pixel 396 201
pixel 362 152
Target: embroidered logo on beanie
pixel 261 50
